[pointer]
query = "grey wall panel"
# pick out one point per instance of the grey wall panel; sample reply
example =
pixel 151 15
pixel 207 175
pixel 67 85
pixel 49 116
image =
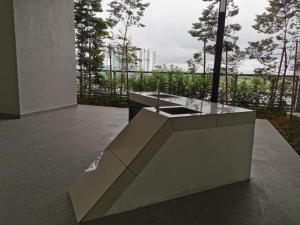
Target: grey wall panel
pixel 45 54
pixel 9 96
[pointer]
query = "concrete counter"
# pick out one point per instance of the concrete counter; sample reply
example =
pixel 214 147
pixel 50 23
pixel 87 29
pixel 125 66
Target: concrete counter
pixel 164 155
pixel 138 100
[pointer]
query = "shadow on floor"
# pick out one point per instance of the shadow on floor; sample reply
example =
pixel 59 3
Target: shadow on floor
pixel 232 204
pixel 3 118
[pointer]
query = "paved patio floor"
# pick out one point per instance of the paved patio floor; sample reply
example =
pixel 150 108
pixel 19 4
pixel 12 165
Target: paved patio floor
pixel 40 156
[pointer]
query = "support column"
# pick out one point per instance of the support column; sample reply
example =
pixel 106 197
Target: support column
pixel 9 91
pixel 38 58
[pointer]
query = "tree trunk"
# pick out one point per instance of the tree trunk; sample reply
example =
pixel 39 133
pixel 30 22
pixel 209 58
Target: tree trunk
pixel 115 83
pixel 297 96
pixel 110 69
pixel 204 69
pixel 80 81
pixel 127 73
pixel 274 92
pixel 89 71
pixel 122 73
pixel 226 74
pixel 81 68
pixel 123 54
pixel 294 81
pixel 285 57
pixel 283 79
pixel 204 58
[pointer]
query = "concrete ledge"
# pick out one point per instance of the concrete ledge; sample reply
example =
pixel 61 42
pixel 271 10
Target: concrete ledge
pixel 9 116
pixel 173 157
pixel 15 116
pixel 46 111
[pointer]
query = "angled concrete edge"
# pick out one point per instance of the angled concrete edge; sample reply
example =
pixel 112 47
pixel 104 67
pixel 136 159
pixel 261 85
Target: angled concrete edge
pixel 94 192
pixel 156 158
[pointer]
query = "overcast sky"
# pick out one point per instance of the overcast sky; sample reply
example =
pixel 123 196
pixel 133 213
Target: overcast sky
pixel 168 21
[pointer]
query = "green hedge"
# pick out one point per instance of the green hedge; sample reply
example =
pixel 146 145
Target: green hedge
pixel 245 91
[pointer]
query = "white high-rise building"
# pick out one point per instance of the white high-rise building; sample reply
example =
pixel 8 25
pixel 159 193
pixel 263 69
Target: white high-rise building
pixel 115 61
pixel 146 60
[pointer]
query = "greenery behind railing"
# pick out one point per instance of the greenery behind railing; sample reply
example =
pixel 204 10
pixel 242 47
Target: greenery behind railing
pixel 250 91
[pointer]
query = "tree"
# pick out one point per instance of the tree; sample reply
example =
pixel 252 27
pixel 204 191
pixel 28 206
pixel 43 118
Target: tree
pixel 131 56
pixel 195 62
pixel 263 52
pixel 279 22
pixel 90 31
pixel 205 30
pixel 168 68
pixel 127 14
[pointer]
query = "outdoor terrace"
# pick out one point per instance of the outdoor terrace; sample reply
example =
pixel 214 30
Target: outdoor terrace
pixel 41 155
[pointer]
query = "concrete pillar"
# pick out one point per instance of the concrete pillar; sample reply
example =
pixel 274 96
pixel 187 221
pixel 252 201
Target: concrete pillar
pixel 37 57
pixel 9 92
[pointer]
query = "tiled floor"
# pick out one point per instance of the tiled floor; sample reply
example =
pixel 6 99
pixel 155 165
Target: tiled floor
pixel 40 157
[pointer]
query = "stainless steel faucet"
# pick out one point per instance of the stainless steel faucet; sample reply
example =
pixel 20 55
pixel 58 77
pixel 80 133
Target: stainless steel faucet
pixel 158 95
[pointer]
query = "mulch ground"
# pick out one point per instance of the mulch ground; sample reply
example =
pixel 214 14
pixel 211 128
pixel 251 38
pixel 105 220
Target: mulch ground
pixel 288 127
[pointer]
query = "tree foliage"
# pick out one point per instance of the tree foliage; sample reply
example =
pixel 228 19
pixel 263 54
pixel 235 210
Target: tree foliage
pixel 205 30
pixel 195 62
pixel 90 31
pixel 279 24
pixel 126 14
pixel 263 52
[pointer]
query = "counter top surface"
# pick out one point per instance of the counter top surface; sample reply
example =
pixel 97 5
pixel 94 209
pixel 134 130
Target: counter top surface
pixel 204 107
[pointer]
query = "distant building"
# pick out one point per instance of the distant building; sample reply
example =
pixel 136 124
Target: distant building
pixel 116 61
pixel 146 60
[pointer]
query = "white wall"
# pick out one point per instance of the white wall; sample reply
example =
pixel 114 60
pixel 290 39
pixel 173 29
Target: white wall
pixel 9 95
pixel 45 54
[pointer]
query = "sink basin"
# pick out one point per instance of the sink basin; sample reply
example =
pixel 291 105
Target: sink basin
pixel 163 96
pixel 178 110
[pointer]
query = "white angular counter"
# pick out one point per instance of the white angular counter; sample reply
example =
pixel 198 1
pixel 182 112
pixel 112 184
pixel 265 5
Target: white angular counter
pixel 165 155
